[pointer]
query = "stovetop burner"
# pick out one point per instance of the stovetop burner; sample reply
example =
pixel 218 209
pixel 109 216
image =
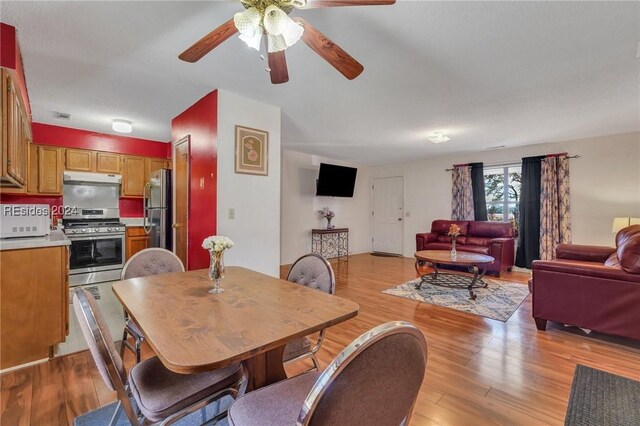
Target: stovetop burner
pixel 93 226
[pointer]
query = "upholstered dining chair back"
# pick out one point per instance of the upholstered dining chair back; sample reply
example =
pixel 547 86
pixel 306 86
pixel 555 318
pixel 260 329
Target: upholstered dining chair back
pixel 103 350
pixel 373 381
pixel 313 271
pixel 151 261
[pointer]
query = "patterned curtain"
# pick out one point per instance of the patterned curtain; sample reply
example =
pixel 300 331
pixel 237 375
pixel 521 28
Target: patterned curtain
pixel 462 196
pixel 555 211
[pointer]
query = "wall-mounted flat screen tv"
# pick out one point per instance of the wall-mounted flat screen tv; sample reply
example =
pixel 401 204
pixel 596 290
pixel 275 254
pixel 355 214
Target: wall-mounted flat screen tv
pixel 336 181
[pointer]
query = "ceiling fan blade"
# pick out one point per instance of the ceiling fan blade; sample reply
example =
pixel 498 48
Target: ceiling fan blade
pixel 209 42
pixel 329 51
pixel 311 4
pixel 278 67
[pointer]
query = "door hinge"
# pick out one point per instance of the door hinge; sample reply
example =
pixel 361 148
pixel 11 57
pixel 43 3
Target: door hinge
pixel 373 186
pixel 372 213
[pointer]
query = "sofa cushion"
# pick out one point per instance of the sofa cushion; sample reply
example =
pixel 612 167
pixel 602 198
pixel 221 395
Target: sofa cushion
pixel 447 239
pixel 478 241
pixel 624 234
pixel 490 229
pixel 462 247
pixel 442 226
pixel 629 254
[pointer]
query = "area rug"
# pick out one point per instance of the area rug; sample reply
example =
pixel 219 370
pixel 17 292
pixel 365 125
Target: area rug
pixel 498 301
pixel 601 398
pixel 102 416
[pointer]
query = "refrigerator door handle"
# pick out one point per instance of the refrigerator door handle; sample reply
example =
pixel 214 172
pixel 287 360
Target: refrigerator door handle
pixel 145 201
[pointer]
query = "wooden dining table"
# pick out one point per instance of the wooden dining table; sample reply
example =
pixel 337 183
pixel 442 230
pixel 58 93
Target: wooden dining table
pixel 192 331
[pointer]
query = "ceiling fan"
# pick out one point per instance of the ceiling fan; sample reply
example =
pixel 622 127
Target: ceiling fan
pixel 266 24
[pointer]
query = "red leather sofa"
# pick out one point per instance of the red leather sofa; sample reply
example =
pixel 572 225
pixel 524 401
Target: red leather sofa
pixel 492 238
pixel 591 287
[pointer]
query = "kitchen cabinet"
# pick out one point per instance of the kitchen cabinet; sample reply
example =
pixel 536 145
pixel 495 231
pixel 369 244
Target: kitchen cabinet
pixel 108 163
pixel 133 176
pixel 135 240
pixel 80 160
pixel 49 170
pixel 33 317
pixel 153 164
pixel 16 134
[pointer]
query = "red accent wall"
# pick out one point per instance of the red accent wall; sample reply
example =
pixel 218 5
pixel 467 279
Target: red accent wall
pixel 10 57
pixel 200 123
pixel 47 134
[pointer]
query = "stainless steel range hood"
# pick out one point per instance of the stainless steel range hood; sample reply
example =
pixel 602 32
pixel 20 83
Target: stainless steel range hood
pixel 86 178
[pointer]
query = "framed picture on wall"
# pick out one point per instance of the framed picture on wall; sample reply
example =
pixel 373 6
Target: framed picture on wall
pixel 252 148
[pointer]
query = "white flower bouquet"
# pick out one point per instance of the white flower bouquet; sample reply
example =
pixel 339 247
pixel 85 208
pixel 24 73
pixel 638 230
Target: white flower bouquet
pixel 217 243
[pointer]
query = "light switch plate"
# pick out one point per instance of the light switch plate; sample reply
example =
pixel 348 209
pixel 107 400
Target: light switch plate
pixel 232 214
pixel 201 183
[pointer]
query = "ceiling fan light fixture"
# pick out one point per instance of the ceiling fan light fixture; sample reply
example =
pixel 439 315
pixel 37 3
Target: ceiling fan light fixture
pixel 248 24
pixel 282 31
pixel 439 137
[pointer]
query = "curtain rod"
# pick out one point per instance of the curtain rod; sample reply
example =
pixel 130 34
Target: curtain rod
pixel 510 163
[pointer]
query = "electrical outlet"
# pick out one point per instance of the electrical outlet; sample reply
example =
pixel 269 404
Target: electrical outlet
pixel 232 214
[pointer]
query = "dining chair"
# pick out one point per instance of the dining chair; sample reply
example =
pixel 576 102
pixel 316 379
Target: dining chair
pixel 313 271
pixel 161 396
pixel 151 261
pixel 373 381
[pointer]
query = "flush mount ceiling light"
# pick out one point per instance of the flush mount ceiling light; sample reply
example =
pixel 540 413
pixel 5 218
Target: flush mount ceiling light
pixel 270 18
pixel 438 137
pixel 121 126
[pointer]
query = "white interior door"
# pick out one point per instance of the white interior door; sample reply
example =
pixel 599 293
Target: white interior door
pixel 388 215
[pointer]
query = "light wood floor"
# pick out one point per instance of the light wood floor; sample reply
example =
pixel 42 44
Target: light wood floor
pixel 480 371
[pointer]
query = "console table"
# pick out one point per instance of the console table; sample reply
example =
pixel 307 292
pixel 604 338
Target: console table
pixel 330 243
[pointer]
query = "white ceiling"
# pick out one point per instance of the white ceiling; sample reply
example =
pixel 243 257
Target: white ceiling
pixel 486 73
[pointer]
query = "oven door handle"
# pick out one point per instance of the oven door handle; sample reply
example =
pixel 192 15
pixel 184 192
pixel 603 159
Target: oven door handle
pixel 94 237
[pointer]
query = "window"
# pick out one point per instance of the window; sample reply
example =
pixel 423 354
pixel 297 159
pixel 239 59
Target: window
pixel 502 191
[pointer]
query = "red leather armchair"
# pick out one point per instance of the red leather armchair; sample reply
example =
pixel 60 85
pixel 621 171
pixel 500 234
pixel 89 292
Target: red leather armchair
pixel 492 238
pixel 591 287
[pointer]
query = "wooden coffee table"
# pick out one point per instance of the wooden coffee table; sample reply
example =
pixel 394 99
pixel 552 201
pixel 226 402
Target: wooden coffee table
pixel 476 264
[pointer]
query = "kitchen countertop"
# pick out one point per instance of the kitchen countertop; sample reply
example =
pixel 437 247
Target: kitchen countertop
pixel 56 238
pixel 132 221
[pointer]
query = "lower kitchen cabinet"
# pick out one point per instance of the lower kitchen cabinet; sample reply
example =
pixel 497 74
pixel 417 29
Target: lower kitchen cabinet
pixel 135 240
pixel 34 303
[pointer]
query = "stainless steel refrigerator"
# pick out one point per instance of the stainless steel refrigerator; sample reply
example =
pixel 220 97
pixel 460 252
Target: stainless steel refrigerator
pixel 157 209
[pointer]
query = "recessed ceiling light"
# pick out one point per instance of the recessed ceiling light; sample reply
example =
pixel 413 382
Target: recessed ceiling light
pixel 122 126
pixel 438 137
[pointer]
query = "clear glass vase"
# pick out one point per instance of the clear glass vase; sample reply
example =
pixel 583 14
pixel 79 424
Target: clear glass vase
pixel 454 253
pixel 216 270
pixel 328 223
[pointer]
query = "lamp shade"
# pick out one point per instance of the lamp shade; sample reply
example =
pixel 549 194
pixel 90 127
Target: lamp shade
pixel 623 222
pixel 282 31
pixel 248 25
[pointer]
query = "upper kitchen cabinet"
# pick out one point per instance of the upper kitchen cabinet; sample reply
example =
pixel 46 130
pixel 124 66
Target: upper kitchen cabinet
pixel 80 160
pixel 49 170
pixel 133 176
pixel 108 163
pixel 16 134
pixel 153 164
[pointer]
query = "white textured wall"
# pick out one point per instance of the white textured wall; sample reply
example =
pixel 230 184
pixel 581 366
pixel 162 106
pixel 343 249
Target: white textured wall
pixel 605 183
pixel 255 199
pixel 299 206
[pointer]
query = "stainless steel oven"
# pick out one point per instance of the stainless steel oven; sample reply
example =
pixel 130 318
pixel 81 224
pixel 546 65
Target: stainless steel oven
pixel 97 251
